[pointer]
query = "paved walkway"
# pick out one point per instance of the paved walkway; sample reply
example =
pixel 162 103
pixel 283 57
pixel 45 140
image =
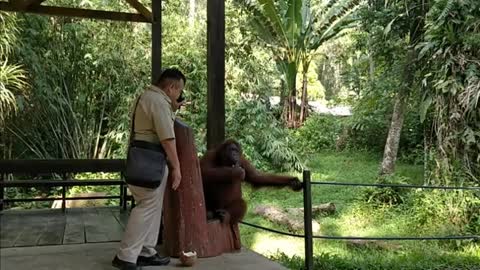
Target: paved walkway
pixel 25 228
pixel 86 239
pixel 97 256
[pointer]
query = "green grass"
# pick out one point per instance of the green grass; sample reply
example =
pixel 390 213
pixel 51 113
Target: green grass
pixel 356 217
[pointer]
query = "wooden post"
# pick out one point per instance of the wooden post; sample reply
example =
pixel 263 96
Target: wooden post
pixel 216 72
pixel 185 217
pixel 122 196
pixel 156 39
pixel 2 195
pixel 141 9
pixel 156 57
pixel 64 193
pixel 125 199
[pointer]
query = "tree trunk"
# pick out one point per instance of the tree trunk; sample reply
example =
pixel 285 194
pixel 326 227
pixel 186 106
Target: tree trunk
pixel 191 14
pixel 292 116
pixel 283 102
pixel 292 69
pixel 304 105
pixel 285 114
pixel 303 108
pixel 292 104
pixel 371 62
pixel 393 139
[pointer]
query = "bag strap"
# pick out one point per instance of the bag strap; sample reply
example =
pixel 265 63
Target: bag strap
pixel 132 130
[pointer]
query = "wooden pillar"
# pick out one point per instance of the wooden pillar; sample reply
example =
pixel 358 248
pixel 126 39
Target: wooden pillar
pixel 216 72
pixel 156 39
pixel 156 65
pixel 185 217
pixel 2 195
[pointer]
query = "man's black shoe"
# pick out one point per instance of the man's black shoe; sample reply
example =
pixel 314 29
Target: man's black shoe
pixel 153 260
pixel 123 265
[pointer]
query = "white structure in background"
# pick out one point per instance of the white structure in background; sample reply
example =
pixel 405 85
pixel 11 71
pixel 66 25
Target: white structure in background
pixel 320 108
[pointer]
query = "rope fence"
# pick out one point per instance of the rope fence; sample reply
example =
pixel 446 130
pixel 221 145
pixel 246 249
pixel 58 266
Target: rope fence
pixel 394 185
pixel 307 204
pixel 428 238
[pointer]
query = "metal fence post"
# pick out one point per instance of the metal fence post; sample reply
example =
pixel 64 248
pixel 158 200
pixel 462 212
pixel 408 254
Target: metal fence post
pixel 307 210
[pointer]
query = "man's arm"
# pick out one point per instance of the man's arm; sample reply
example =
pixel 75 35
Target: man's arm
pixel 169 145
pixel 171 149
pixel 162 121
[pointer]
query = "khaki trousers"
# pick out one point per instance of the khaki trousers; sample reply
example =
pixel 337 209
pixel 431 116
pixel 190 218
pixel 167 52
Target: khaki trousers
pixel 141 234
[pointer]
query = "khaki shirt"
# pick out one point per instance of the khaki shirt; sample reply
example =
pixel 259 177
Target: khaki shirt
pixel 154 116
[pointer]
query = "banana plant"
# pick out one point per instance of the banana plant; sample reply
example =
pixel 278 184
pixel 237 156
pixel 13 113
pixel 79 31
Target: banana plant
pixel 294 30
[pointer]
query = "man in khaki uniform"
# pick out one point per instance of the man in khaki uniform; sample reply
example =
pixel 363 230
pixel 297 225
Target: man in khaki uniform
pixel 154 118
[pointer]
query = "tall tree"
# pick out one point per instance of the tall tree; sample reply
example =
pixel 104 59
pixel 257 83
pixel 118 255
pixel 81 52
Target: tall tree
pixel 452 94
pixel 293 31
pixel 410 22
pixel 191 13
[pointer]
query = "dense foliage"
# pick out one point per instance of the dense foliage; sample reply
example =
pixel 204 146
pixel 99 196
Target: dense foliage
pixel 409 71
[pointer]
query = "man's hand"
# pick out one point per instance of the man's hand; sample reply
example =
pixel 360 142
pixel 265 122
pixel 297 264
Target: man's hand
pixel 176 105
pixel 176 178
pixel 174 165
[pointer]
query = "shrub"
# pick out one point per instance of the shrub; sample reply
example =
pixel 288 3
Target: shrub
pixel 264 140
pixel 319 132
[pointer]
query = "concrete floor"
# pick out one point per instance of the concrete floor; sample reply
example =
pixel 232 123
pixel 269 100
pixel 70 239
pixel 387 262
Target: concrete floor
pixel 98 256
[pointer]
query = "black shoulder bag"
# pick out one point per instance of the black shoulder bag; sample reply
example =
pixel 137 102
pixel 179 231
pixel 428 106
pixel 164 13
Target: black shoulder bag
pixel 146 161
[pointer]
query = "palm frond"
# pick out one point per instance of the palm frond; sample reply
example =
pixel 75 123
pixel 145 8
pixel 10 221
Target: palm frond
pixel 294 20
pixel 12 79
pixel 261 23
pixel 336 19
pixel 8 31
pixel 273 17
pixel 446 11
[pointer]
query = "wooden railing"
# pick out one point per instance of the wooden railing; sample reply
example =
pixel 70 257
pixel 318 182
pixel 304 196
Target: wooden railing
pixel 59 173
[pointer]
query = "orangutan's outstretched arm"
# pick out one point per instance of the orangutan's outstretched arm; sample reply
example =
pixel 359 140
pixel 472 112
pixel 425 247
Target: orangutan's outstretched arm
pixel 258 179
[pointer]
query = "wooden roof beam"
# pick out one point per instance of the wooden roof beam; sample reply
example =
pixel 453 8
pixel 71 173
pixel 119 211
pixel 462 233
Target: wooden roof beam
pixel 76 12
pixel 25 4
pixel 141 9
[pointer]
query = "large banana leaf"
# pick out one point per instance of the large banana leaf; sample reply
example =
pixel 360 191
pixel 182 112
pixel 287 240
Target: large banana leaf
pixel 294 21
pixel 294 31
pixel 273 17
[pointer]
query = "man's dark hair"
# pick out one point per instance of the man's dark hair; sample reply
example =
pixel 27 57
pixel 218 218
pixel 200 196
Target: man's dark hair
pixel 170 74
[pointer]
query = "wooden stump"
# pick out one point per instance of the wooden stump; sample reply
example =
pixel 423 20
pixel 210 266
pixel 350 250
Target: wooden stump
pixel 184 213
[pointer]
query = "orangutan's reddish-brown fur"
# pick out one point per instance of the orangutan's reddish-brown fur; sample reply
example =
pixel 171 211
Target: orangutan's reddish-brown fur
pixel 222 180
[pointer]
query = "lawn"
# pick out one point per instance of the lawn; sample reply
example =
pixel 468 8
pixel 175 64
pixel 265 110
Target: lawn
pixel 356 217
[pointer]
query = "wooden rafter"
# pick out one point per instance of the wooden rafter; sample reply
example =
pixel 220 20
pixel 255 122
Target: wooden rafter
pixel 75 12
pixel 25 4
pixel 141 9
